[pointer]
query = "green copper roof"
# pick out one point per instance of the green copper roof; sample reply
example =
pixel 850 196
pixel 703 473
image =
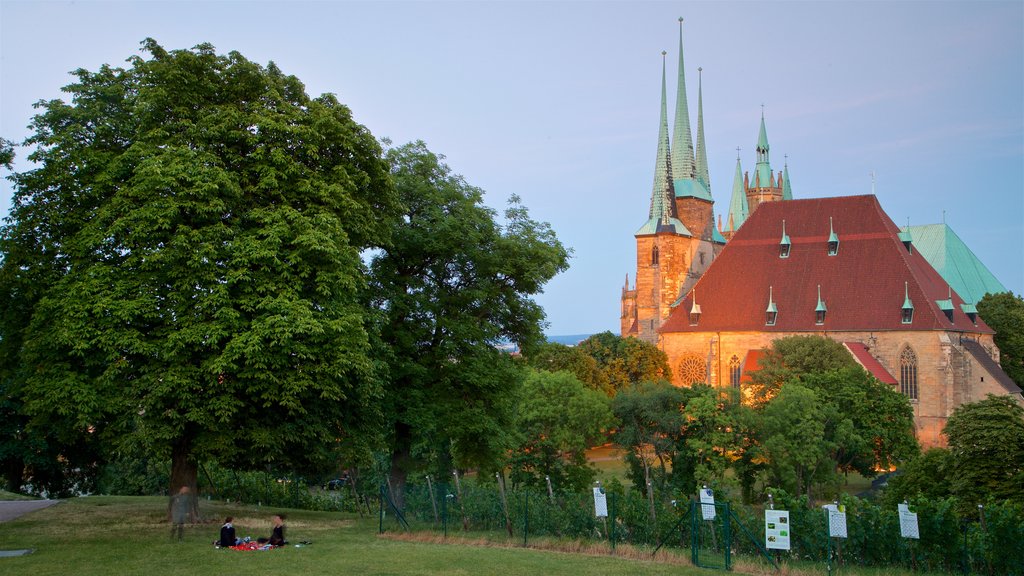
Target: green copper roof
pixel 771 302
pixel 738 207
pixel 683 164
pixel 716 236
pixel 969 308
pixel 955 262
pixel 907 304
pixel 785 237
pixel 945 305
pixel 691 188
pixel 655 225
pixel 702 155
pixel 787 191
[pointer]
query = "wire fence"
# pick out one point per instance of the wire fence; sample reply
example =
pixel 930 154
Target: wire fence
pixel 988 542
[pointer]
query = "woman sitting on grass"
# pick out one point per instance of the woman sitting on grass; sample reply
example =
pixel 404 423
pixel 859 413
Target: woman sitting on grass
pixel 277 534
pixel 227 534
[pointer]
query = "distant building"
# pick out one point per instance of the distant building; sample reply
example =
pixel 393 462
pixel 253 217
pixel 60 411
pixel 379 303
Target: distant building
pixel 901 301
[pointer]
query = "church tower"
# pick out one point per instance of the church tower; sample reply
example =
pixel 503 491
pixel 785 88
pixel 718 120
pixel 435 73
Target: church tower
pixel 679 240
pixel 750 191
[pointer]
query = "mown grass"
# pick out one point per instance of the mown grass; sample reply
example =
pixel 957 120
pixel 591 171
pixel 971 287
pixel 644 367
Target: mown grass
pixel 122 535
pixel 130 535
pixel 5 495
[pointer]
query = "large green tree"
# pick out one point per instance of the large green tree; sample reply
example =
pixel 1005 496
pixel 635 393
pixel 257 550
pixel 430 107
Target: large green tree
pixel 861 425
pixel 1004 313
pixel 182 267
pixel 454 283
pixel 626 361
pixel 986 444
pixel 558 418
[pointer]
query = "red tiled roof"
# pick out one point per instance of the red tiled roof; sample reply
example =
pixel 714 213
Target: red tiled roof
pixel 869 363
pixel 862 285
pixel 752 363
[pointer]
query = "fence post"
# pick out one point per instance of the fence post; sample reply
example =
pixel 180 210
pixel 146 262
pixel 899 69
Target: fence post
pixel 504 503
pixel 526 515
pixel 611 513
pixel 380 513
pixel 727 536
pixel 433 503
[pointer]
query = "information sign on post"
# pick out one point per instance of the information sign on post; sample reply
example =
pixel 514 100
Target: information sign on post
pixel 776 529
pixel 908 522
pixel 836 520
pixel 707 504
pixel 600 503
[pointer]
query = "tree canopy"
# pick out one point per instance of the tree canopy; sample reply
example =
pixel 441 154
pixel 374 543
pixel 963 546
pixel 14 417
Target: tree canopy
pixel 454 283
pixel 182 268
pixel 986 444
pixel 626 361
pixel 1004 313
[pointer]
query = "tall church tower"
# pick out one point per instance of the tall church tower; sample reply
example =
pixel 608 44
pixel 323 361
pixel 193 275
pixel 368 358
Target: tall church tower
pixel 679 240
pixel 748 192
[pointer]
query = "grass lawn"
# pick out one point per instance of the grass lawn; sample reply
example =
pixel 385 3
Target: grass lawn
pixel 128 535
pixel 5 495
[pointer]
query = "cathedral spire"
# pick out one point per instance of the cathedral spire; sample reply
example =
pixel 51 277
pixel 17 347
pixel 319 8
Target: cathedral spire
pixel 738 207
pixel 663 195
pixel 682 139
pixel 787 191
pixel 763 170
pixel 702 156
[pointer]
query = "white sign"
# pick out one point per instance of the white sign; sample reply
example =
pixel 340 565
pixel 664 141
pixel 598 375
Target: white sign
pixel 836 520
pixel 776 529
pixel 707 503
pixel 908 522
pixel 600 503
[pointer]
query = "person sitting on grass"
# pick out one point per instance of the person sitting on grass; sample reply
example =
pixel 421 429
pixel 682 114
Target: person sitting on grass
pixel 227 534
pixel 277 534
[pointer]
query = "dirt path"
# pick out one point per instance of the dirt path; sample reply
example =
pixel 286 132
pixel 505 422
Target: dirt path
pixel 11 509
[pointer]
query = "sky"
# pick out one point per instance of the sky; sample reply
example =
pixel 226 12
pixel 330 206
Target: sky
pixel 558 102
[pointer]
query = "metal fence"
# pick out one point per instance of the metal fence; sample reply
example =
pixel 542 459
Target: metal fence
pixel 988 542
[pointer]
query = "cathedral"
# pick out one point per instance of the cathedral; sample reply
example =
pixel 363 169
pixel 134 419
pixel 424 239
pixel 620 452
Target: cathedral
pixel 713 297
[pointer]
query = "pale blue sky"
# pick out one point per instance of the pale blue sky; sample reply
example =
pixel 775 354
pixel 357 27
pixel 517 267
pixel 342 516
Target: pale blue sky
pixel 558 102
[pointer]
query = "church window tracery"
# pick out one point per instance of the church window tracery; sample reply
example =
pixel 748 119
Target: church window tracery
pixel 908 373
pixel 735 371
pixel 693 370
pixel 654 256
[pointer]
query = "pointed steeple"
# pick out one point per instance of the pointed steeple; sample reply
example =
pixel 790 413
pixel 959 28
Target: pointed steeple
pixel 683 164
pixel 702 155
pixel 787 191
pixel 663 206
pixel 663 196
pixel 738 207
pixel 763 171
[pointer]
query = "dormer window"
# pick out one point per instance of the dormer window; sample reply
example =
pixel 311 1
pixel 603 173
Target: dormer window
pixel 784 244
pixel 905 237
pixel 771 313
pixel 833 239
pixel 654 256
pixel 971 311
pixel 820 309
pixel 947 305
pixel 908 306
pixel 694 311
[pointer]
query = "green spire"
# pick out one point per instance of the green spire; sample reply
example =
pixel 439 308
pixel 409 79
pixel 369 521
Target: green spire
pixel 787 191
pixel 682 140
pixel 738 207
pixel 763 171
pixel 663 195
pixel 907 304
pixel 702 155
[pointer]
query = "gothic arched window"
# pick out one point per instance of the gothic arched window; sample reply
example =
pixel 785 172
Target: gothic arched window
pixel 908 373
pixel 654 256
pixel 693 370
pixel 735 371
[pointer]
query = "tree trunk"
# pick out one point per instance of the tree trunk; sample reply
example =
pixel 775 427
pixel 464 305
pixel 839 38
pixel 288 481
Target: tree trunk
pixel 401 459
pixel 14 473
pixel 184 473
